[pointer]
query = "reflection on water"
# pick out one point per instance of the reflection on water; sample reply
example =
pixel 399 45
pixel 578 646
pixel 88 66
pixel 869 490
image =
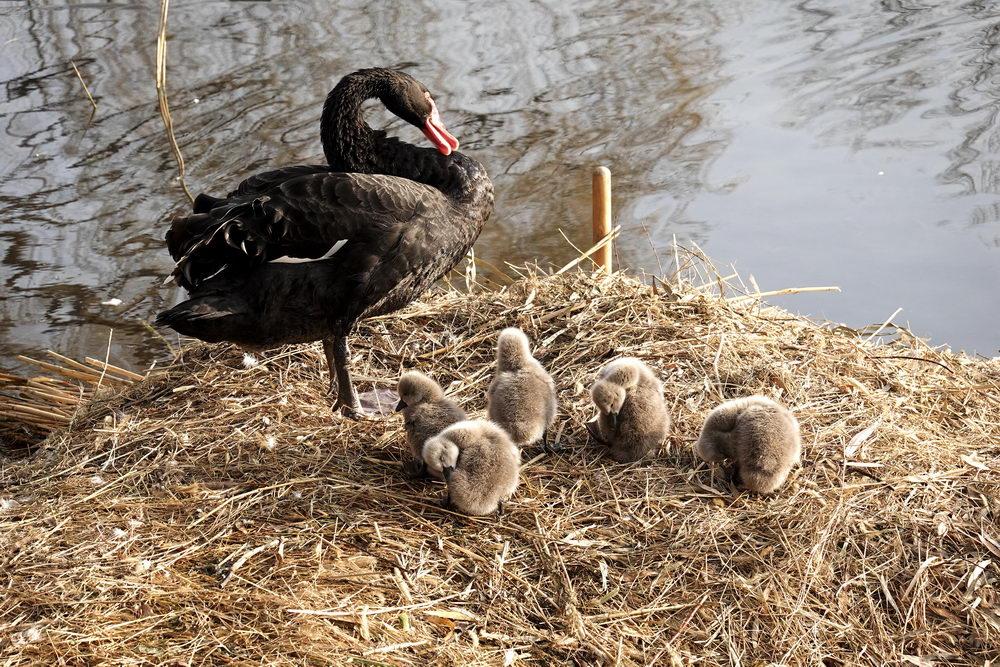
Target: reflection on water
pixel 840 142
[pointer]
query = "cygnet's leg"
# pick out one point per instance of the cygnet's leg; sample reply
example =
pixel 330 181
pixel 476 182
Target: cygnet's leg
pixel 735 477
pixel 414 469
pixel 548 448
pixel 499 508
pixel 556 445
pixel 595 432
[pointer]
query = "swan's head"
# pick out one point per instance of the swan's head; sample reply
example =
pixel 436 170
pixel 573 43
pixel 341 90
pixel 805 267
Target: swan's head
pixel 410 100
pixel 415 388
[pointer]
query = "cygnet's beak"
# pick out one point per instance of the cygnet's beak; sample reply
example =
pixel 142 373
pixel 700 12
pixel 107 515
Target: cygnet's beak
pixel 614 419
pixel 447 473
pixel 400 405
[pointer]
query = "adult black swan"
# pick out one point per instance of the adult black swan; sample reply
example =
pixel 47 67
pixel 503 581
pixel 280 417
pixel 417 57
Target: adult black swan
pixel 302 253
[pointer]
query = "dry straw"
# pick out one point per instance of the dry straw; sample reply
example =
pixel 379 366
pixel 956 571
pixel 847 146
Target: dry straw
pixel 86 88
pixel 161 94
pixel 218 513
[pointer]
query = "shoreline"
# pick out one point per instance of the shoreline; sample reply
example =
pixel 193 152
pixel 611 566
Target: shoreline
pixel 215 509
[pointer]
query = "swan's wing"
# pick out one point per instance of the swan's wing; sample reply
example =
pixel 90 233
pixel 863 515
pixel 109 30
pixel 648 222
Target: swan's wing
pixel 257 184
pixel 261 183
pixel 308 217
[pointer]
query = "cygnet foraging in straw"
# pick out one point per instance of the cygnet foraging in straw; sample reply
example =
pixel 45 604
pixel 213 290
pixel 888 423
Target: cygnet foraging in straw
pixel 632 415
pixel 426 412
pixel 479 462
pixel 760 435
pixel 522 396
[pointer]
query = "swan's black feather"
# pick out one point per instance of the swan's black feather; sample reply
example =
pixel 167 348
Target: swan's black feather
pixel 261 183
pixel 403 217
pixel 304 216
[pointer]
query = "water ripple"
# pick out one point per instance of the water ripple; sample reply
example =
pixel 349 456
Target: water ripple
pixel 751 127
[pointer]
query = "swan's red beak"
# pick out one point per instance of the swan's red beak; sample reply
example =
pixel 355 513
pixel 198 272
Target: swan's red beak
pixel 438 134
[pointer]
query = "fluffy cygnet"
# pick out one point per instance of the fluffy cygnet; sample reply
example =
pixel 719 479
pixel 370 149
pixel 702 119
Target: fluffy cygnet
pixel 522 396
pixel 632 415
pixel 760 435
pixel 479 462
pixel 426 412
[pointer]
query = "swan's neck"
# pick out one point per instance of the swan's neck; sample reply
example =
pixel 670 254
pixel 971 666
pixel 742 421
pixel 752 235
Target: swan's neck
pixel 348 141
pixel 351 145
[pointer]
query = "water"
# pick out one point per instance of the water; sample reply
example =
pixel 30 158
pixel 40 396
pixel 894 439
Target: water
pixel 825 143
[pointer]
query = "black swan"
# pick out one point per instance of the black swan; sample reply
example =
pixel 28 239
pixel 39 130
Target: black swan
pixel 302 253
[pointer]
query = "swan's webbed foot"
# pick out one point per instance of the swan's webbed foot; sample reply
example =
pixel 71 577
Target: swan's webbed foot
pixel 375 404
pixel 379 402
pixel 360 410
pixel 354 410
pixel 348 410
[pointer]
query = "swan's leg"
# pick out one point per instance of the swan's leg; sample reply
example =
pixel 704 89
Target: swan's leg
pixel 331 365
pixel 347 398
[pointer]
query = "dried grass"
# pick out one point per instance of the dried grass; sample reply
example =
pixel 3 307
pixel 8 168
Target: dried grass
pixel 86 88
pixel 217 513
pixel 161 94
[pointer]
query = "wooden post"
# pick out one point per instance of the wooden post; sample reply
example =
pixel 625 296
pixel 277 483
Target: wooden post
pixel 602 215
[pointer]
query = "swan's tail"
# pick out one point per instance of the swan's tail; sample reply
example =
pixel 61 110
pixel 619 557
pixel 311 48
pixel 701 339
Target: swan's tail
pixel 277 304
pixel 229 235
pixel 204 203
pixel 211 318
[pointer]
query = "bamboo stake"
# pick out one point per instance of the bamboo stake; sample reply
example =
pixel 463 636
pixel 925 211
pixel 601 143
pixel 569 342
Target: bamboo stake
pixel 46 415
pixel 70 363
pixel 602 216
pixel 48 397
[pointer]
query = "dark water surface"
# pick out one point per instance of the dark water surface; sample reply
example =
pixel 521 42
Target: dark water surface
pixel 821 143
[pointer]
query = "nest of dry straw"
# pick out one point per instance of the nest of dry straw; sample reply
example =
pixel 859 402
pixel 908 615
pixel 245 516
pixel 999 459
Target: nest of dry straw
pixel 220 513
